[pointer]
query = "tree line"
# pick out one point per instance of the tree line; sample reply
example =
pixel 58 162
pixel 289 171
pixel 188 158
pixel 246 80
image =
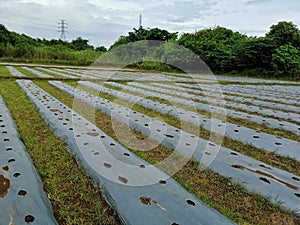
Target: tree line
pixel 276 54
pixel 20 47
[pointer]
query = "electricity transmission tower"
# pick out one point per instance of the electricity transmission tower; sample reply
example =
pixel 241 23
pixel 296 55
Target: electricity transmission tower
pixel 63 29
pixel 140 21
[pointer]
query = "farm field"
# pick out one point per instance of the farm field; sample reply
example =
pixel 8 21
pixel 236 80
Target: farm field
pixel 112 146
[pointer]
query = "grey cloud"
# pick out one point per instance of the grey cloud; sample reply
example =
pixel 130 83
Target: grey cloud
pixel 255 2
pixel 102 26
pixel 180 12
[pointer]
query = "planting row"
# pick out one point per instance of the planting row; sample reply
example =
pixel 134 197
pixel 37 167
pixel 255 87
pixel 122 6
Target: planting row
pixel 208 77
pixel 124 74
pixel 246 93
pixel 119 75
pixel 212 94
pixel 14 72
pixel 37 73
pixel 278 91
pixel 211 97
pixel 136 190
pixel 268 142
pixel 256 176
pixel 22 198
pixel 272 123
pixel 221 102
pixel 56 72
pixel 288 92
pixel 83 75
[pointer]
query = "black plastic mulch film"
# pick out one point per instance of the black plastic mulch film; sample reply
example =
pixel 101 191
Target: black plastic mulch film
pixel 136 190
pixel 22 198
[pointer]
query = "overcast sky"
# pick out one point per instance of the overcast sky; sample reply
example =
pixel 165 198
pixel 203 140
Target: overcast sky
pixel 103 21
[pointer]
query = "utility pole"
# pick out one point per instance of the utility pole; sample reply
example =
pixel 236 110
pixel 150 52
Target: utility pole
pixel 63 29
pixel 140 22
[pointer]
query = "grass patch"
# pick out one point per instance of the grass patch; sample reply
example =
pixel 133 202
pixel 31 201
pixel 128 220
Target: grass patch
pixel 4 72
pixel 227 197
pixel 74 198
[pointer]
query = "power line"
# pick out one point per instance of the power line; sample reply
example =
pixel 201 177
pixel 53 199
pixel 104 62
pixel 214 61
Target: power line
pixel 63 29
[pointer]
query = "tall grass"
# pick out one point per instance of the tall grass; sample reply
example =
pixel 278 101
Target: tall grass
pixel 49 55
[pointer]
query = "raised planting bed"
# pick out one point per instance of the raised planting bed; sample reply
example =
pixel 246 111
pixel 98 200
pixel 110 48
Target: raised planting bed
pixel 37 73
pixel 256 176
pixel 136 190
pixel 14 72
pixel 22 198
pixel 261 140
pixel 221 103
pixel 271 105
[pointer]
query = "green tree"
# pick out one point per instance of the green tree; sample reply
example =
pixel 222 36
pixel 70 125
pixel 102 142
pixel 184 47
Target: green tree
pixel 286 61
pixel 285 33
pixel 122 40
pixel 141 34
pixel 80 44
pixel 101 49
pixel 218 47
pixel 4 35
pixel 256 53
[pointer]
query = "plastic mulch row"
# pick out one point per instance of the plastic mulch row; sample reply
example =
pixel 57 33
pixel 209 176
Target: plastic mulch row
pixel 278 91
pixel 207 77
pixel 136 190
pixel 261 140
pixel 222 103
pixel 14 72
pixel 246 93
pixel 37 73
pixel 56 73
pixel 272 105
pixel 270 122
pixel 254 175
pixel 22 198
